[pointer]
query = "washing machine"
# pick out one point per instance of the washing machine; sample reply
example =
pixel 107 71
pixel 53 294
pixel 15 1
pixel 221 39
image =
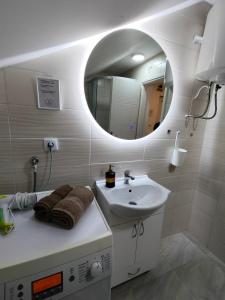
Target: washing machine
pixel 41 261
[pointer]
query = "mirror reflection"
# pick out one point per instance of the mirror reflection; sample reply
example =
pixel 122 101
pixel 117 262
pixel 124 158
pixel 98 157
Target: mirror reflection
pixel 128 84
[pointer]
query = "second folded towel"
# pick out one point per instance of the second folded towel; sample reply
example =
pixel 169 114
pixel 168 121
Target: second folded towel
pixel 43 208
pixel 67 212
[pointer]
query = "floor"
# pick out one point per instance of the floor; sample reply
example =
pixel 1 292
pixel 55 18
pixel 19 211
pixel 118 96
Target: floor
pixel 186 271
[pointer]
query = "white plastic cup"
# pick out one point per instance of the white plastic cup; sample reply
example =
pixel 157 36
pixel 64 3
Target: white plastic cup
pixel 178 157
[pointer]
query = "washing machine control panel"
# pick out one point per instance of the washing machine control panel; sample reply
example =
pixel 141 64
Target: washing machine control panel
pixel 56 283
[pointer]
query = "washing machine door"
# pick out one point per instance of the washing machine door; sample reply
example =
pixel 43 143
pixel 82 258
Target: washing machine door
pixel 100 290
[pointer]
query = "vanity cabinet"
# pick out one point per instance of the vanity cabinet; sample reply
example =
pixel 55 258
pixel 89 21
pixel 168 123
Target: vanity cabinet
pixel 135 247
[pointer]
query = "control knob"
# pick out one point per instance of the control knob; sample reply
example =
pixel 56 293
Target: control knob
pixel 96 269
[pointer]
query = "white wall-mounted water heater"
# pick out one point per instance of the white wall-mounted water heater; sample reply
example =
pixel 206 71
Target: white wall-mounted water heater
pixel 211 63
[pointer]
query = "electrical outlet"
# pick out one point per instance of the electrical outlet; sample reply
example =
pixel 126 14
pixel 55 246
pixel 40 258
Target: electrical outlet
pixel 51 141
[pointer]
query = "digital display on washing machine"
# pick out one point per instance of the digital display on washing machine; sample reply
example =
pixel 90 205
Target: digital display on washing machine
pixel 47 286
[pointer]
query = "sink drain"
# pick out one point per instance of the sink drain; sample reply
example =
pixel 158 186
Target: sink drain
pixel 132 203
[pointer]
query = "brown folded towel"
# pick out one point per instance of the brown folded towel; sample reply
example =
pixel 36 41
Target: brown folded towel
pixel 43 208
pixel 63 190
pixel 67 212
pixel 83 193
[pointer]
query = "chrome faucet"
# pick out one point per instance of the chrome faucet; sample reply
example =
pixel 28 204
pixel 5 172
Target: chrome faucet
pixel 127 176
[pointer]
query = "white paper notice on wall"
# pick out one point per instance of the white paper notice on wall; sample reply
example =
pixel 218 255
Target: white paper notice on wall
pixel 48 93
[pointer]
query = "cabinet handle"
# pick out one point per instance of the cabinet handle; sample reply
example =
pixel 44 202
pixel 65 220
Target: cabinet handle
pixel 134 231
pixel 132 274
pixel 142 229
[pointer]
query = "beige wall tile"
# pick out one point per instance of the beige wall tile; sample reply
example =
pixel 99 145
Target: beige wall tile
pixel 210 186
pixel 181 218
pixel 179 183
pixel 213 151
pixel 4 125
pixel 211 168
pixel 220 209
pixel 200 226
pixel 167 223
pixel 205 204
pixel 6 163
pixel 28 122
pixel 2 88
pixel 185 86
pixel 180 198
pixel 103 151
pixel 72 175
pixel 71 152
pixel 158 149
pixel 176 220
pixel 7 185
pixel 216 242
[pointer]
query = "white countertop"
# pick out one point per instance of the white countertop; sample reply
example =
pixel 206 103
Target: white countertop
pixel 33 240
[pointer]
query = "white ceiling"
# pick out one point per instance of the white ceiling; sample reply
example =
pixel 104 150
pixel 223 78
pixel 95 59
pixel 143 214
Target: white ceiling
pixel 113 55
pixel 32 25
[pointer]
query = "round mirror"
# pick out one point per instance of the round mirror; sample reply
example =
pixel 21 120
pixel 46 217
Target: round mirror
pixel 128 84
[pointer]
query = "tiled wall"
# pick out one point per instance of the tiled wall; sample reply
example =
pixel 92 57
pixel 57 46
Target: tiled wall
pixel 85 149
pixel 207 219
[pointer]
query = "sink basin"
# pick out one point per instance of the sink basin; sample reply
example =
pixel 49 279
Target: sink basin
pixel 141 197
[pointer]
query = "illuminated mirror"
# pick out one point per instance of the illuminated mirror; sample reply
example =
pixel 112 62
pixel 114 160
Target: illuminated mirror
pixel 128 84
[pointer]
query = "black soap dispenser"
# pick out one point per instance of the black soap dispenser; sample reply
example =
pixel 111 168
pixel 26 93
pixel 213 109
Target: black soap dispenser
pixel 110 177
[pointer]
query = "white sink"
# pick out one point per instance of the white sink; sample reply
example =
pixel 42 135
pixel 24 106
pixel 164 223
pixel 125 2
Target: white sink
pixel 141 197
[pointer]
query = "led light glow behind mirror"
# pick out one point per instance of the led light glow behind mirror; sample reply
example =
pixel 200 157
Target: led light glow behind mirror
pixel 129 99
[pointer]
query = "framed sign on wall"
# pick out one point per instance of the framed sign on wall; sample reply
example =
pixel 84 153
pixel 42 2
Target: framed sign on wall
pixel 48 93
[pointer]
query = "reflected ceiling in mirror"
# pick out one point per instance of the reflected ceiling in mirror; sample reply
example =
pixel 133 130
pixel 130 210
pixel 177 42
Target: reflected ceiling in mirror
pixel 128 84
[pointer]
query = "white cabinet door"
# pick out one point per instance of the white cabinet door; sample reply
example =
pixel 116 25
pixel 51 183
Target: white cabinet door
pixel 124 250
pixel 148 242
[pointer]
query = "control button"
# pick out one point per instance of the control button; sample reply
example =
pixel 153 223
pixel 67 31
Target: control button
pixel 20 294
pixel 20 287
pixel 96 269
pixel 71 278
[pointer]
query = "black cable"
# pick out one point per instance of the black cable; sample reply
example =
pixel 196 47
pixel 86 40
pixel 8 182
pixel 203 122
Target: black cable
pixel 50 167
pixel 215 111
pixel 34 181
pixel 50 147
pixel 34 163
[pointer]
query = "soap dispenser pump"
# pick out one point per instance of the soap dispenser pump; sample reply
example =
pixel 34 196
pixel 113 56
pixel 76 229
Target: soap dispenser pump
pixel 110 176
